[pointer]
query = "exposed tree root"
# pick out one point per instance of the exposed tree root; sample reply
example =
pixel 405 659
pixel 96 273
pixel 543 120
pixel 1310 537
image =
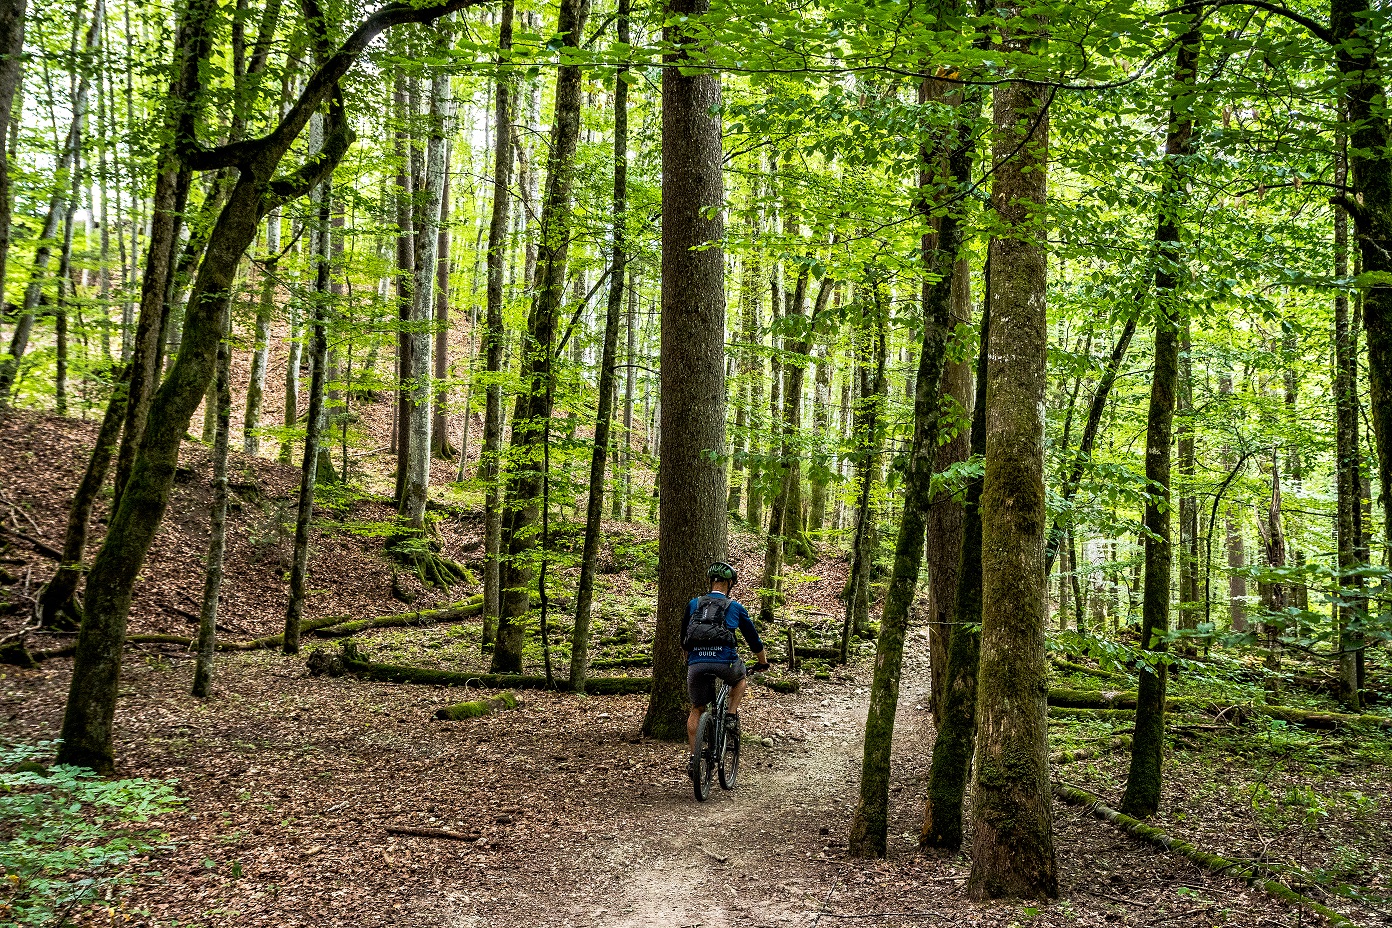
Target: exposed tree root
pixel 478 708
pixel 1254 874
pixel 444 833
pixel 417 551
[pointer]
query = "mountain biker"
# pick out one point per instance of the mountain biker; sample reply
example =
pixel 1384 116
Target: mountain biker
pixel 708 637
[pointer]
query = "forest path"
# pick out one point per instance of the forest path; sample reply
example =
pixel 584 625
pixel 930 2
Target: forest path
pixel 770 853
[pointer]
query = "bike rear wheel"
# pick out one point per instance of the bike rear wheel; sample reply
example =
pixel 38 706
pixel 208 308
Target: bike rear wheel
pixel 706 757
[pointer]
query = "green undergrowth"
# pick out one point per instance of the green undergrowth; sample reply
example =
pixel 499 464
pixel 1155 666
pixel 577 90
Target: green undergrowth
pixel 69 839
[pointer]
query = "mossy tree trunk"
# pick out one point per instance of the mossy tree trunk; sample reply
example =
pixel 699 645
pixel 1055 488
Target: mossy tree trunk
pixel 1349 613
pixel 217 523
pixel 494 335
pixel 951 764
pixel 940 258
pixel 12 13
pixel 532 415
pixel 1143 783
pixel 871 396
pixel 58 598
pixel 604 415
pixel 1012 811
pixel 692 489
pixel 945 514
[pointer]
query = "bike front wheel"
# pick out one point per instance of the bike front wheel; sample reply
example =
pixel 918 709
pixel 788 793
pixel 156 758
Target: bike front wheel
pixel 729 760
pixel 707 757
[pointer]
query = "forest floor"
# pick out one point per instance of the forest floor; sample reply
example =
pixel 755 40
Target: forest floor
pixel 292 782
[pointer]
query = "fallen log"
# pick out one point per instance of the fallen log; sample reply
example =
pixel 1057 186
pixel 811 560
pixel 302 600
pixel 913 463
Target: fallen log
pixel 617 663
pixel 777 684
pixel 1308 718
pixel 1088 699
pixel 1253 874
pixel 1099 715
pixel 1096 749
pixel 401 673
pixel 328 626
pixel 478 708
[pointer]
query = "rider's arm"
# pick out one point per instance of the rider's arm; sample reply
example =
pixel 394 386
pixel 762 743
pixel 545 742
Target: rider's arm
pixel 750 633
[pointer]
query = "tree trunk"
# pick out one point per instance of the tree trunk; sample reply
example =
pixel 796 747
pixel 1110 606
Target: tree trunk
pixel 260 355
pixel 532 416
pixel 439 428
pixel 950 769
pixel 870 823
pixel 492 345
pixel 594 511
pixel 945 514
pixel 12 13
pixel 405 287
pixel 819 474
pixel 1355 43
pixel 314 420
pixel 871 355
pixel 630 383
pixel 217 542
pixel 1142 796
pixel 692 489
pixel 1348 614
pixel 1189 604
pixel 1013 849
pixel 419 445
pixel 58 598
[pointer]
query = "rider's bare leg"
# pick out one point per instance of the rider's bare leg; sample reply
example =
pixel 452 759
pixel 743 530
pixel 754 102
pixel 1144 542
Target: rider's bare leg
pixel 693 718
pixel 737 693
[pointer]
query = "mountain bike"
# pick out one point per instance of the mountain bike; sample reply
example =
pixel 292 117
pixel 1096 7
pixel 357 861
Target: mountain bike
pixel 716 748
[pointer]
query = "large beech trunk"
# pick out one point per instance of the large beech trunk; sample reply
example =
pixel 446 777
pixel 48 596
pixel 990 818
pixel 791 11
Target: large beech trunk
pixel 1142 797
pixel 691 480
pixel 1012 813
pixel 531 422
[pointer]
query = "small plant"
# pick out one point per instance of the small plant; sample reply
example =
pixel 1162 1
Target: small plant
pixel 64 834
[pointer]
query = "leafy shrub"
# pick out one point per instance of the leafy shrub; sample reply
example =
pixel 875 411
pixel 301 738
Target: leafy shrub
pixel 65 837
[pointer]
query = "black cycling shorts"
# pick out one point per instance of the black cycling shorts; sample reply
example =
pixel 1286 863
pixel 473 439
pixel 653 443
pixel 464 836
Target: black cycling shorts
pixel 700 679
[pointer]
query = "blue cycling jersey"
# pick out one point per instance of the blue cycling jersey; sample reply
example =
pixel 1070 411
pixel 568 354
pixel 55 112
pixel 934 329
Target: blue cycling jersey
pixel 736 617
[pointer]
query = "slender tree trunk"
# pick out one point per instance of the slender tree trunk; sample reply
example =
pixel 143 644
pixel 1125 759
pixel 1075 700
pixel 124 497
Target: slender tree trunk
pixel 423 308
pixel 405 287
pixel 870 822
pixel 945 514
pixel 692 494
pixel 532 416
pixel 439 428
pixel 217 542
pixel 314 419
pixel 1012 809
pixel 630 384
pixel 1189 604
pixel 874 387
pixel 260 354
pixel 956 719
pixel 489 469
pixel 1348 615
pixel 820 473
pixel 580 638
pixel 1143 784
pixel 12 13
pixel 58 598
pixel 65 290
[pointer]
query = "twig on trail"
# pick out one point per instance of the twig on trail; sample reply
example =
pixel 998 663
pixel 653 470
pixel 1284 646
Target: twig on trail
pixel 714 856
pixel 46 550
pixel 16 509
pixel 429 833
pixel 877 915
pixel 825 902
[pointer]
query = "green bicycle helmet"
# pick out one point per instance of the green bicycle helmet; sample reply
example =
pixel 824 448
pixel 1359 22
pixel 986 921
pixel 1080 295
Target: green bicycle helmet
pixel 722 571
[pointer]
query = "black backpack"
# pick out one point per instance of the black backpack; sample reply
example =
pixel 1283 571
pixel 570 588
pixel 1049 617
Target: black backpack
pixel 707 628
